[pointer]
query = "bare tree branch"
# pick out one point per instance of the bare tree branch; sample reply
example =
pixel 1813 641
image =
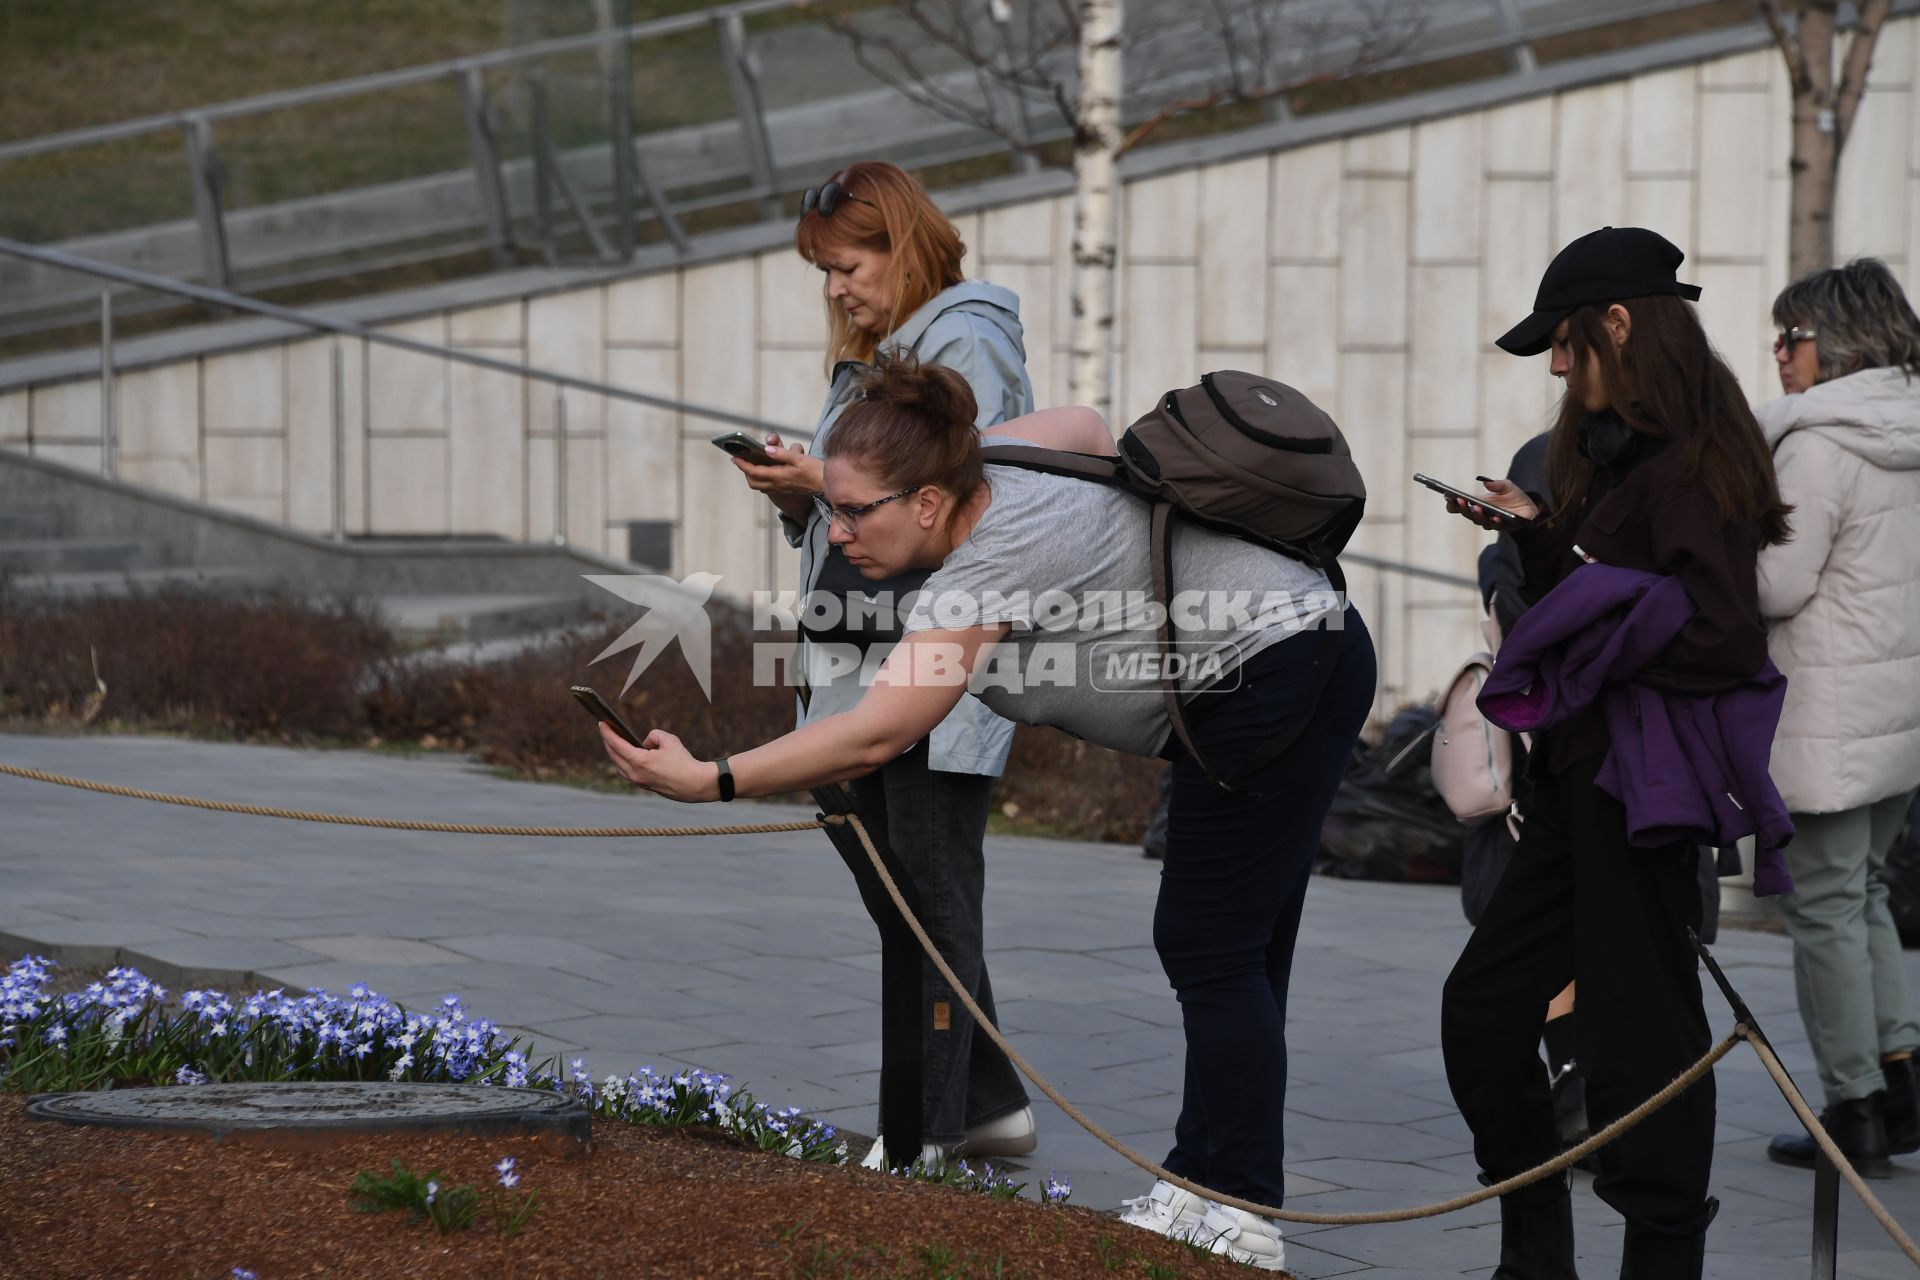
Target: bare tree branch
pixel 1853 82
pixel 1183 55
pixel 1789 47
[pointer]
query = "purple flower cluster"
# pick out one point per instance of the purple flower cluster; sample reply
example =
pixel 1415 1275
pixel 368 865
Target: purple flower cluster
pixel 125 1023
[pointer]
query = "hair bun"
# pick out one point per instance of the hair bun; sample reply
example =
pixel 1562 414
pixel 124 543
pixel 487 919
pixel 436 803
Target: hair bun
pixel 899 381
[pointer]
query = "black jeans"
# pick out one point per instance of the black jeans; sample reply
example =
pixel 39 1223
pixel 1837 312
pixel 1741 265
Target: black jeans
pixel 937 825
pixel 1231 893
pixel 1578 903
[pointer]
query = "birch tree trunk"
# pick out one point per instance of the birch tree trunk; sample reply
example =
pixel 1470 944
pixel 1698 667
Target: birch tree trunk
pixel 1095 207
pixel 1815 163
pixel 1823 115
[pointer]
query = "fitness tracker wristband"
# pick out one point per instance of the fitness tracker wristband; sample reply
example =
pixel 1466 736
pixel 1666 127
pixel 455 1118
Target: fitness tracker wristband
pixel 726 777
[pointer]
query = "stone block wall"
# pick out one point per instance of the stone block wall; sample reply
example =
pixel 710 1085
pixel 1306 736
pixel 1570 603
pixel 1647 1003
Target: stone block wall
pixel 1371 271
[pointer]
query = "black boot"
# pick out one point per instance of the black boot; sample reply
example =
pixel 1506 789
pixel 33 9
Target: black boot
pixel 1653 1255
pixel 1902 1106
pixel 1857 1127
pixel 1536 1235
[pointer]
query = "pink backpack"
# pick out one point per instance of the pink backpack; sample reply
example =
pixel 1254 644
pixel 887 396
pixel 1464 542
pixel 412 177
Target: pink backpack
pixel 1472 759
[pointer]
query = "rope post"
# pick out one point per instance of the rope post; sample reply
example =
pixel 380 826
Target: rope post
pixel 1826 1216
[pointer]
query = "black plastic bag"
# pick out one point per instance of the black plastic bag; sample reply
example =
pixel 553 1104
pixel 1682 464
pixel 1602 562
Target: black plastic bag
pixel 1902 878
pixel 1387 821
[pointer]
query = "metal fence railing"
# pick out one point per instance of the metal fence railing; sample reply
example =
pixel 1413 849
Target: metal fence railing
pixel 339 397
pixel 571 394
pixel 578 148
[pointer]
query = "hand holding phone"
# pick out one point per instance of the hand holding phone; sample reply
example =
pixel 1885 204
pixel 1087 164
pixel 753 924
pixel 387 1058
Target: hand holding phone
pixel 1478 507
pixel 741 445
pixel 601 710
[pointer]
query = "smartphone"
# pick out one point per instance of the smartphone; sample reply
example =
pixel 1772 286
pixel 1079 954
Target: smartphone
pixel 600 710
pixel 742 445
pixel 1507 519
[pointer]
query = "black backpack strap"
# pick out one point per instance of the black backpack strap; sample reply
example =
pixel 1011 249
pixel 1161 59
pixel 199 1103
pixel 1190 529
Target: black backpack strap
pixel 1161 545
pixel 1326 657
pixel 1098 467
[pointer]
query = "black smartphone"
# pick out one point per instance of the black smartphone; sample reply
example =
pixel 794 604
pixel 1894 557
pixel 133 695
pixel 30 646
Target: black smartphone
pixel 1507 518
pixel 742 445
pixel 601 710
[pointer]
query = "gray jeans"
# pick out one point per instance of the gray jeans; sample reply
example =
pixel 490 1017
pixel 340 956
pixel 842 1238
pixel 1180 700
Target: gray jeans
pixel 1841 929
pixel 937 825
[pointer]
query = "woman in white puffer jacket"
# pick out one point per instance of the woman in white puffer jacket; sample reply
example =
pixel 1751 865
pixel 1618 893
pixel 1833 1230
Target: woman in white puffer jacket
pixel 1842 601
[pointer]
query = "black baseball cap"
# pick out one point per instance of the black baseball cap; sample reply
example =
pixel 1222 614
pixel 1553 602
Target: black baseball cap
pixel 1612 264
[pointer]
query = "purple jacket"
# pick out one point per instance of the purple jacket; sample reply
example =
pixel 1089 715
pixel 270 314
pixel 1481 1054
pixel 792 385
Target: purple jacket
pixel 1687 767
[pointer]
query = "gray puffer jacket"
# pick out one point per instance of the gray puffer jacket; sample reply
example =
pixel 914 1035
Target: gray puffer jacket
pixel 1842 599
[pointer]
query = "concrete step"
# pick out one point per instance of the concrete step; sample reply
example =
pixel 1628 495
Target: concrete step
pixel 449 619
pixel 74 555
pixel 29 523
pixel 110 582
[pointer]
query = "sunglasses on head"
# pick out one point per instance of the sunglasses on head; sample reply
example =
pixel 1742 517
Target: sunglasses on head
pixel 824 200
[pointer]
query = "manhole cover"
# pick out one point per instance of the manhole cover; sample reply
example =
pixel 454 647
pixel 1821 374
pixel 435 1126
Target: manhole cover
pixel 347 1106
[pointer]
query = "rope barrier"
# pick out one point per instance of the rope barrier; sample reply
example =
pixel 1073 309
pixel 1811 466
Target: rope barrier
pixel 1679 1085
pixel 401 824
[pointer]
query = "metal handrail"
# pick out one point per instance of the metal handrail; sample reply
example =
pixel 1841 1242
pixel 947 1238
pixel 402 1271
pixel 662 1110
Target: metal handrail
pixel 766 177
pixel 1510 40
pixel 421 73
pixel 328 324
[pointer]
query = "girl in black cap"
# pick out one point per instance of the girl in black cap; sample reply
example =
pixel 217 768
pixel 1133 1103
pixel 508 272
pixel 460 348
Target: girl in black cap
pixel 1655 464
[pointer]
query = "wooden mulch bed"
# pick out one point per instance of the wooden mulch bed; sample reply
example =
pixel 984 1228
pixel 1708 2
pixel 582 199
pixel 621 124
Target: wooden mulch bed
pixel 93 1202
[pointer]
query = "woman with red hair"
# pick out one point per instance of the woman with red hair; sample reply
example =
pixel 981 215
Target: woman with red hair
pixel 893 284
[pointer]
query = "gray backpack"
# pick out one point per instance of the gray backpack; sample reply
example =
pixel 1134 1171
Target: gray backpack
pixel 1243 455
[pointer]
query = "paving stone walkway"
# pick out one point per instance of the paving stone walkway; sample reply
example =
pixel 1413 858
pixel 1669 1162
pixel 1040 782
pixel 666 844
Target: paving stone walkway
pixel 750 955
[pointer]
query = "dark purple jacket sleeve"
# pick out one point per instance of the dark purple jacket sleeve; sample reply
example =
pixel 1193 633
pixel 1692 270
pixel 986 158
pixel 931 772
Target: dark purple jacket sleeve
pixel 1725 644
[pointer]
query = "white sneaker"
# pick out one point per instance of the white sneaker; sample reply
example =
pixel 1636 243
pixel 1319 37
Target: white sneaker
pixel 1011 1135
pixel 1246 1238
pixel 1166 1211
pixel 932 1155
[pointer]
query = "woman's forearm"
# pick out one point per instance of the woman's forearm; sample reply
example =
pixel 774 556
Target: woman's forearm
pixel 830 750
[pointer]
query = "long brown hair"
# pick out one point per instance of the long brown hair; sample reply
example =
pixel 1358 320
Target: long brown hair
pixel 913 423
pixel 898 217
pixel 1667 381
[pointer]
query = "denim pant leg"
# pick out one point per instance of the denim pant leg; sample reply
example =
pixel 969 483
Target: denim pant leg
pixel 936 823
pixel 1231 894
pixel 1893 1010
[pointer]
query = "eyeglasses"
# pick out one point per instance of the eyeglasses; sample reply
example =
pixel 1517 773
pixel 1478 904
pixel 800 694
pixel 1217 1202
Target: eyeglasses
pixel 824 200
pixel 847 519
pixel 1787 339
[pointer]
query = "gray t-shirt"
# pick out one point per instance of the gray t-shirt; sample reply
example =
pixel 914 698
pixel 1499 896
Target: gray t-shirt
pixel 1066 563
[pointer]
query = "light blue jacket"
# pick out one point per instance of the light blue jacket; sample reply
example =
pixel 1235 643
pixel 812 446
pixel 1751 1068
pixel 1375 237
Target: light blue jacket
pixel 973 329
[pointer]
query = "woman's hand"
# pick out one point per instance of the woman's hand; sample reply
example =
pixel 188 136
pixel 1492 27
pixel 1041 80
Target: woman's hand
pixel 661 765
pixel 794 473
pixel 1504 506
pixel 791 482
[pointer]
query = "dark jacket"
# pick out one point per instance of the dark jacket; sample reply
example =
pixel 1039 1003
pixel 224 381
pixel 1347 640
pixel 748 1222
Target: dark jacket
pixel 1687 767
pixel 1640 515
pixel 1502 576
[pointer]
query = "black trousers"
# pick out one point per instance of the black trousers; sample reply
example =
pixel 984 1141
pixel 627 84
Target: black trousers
pixel 937 825
pixel 1577 902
